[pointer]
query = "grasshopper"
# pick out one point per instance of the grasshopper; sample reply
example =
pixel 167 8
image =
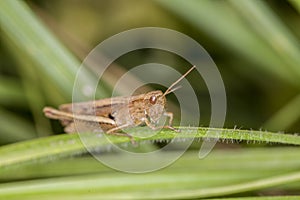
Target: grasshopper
pixel 116 113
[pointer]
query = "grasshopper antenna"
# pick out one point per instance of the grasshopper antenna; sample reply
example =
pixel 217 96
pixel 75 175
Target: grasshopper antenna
pixel 170 90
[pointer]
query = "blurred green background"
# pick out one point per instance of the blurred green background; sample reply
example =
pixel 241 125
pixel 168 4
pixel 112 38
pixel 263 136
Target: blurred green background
pixel 255 45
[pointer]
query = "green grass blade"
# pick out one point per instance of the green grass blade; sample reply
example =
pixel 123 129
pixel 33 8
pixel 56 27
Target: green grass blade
pixel 202 180
pixel 296 4
pixel 234 164
pixel 219 21
pixel 161 184
pixel 48 55
pixel 286 116
pixel 11 93
pixel 70 144
pixel 272 30
pixel 263 198
pixel 33 92
pixel 9 132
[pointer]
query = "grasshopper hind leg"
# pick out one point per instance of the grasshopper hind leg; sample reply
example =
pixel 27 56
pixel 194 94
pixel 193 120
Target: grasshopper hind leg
pixel 113 132
pixel 80 126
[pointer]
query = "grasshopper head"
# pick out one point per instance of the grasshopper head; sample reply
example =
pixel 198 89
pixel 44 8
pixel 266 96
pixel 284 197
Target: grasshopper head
pixel 154 103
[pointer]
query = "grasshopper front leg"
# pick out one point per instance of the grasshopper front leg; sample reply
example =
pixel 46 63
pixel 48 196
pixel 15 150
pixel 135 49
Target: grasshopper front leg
pixel 169 126
pixel 112 132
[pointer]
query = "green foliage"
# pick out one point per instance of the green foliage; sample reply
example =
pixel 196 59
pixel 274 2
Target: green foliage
pixel 258 39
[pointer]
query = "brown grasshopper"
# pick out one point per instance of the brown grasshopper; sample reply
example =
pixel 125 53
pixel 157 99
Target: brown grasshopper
pixel 117 113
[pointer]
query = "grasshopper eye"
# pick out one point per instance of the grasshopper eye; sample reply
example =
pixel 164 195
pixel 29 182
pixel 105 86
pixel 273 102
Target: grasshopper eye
pixel 152 99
